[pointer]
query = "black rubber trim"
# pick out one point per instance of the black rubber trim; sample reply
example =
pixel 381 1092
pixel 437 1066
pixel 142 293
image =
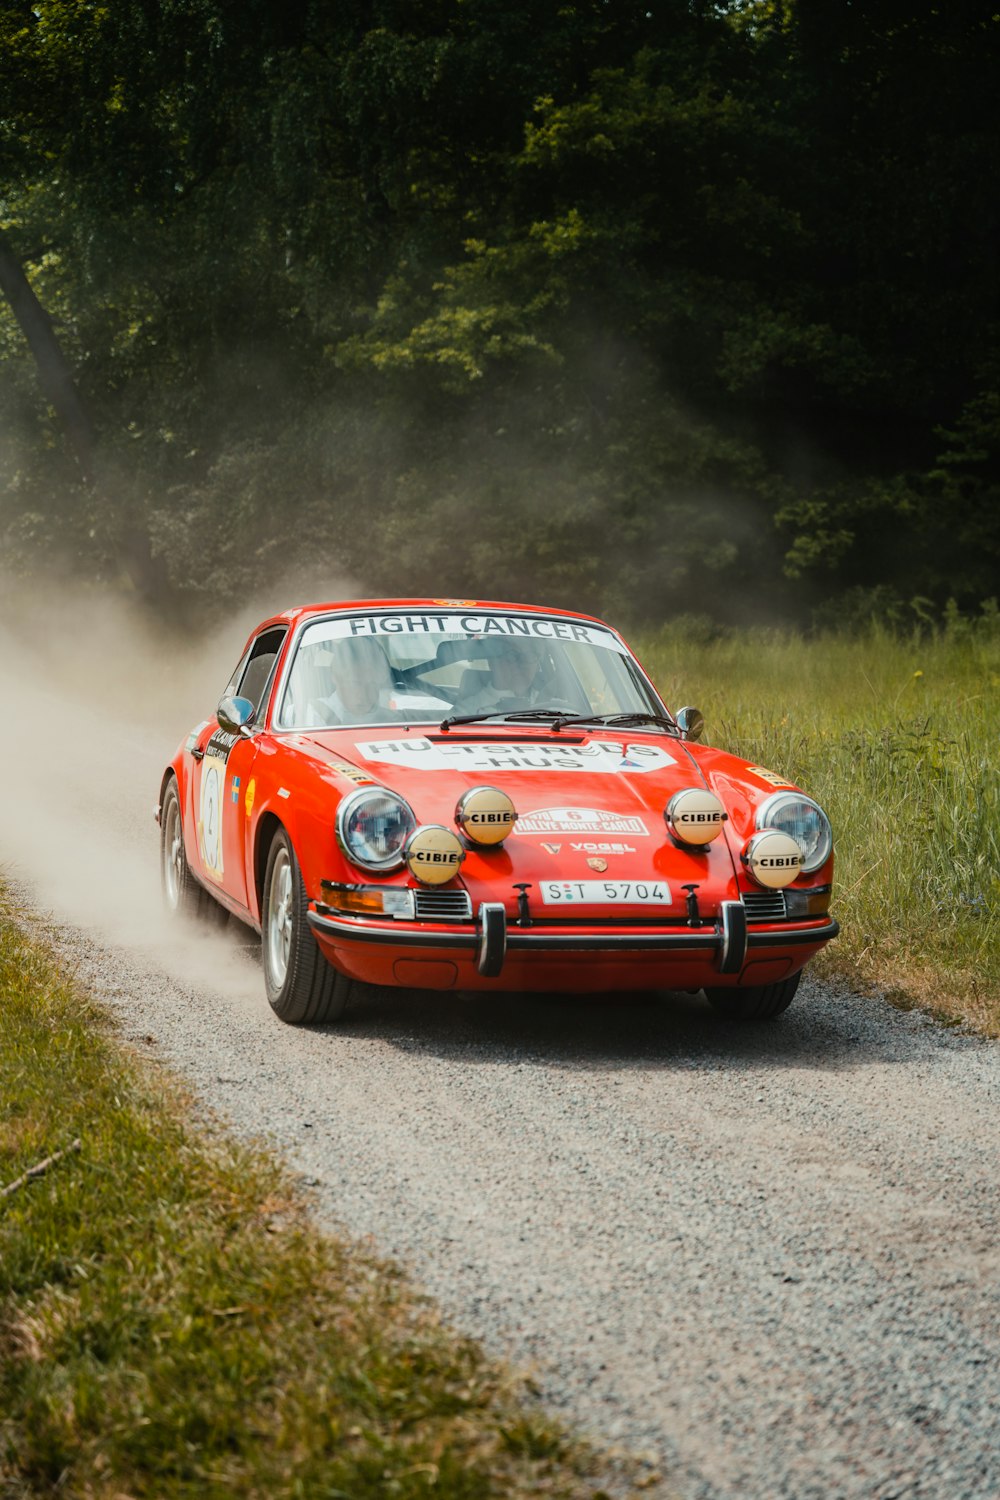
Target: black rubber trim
pixel 356 930
pixel 733 952
pixel 612 942
pixel 545 940
pixel 800 936
pixel 492 939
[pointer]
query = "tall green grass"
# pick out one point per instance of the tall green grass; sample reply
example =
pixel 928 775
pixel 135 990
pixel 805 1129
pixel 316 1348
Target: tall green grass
pixel 173 1326
pixel 897 737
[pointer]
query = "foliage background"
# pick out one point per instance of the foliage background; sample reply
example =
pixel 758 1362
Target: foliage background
pixel 649 308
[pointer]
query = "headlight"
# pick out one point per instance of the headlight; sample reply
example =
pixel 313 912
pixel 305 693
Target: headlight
pixel 804 821
pixel 373 824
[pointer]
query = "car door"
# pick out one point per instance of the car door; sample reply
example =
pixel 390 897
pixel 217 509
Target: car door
pixel 223 782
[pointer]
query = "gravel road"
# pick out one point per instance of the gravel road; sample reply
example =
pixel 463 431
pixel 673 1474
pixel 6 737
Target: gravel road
pixel 769 1257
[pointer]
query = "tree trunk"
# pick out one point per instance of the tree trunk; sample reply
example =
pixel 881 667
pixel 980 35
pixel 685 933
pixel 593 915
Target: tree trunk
pixel 147 574
pixel 53 371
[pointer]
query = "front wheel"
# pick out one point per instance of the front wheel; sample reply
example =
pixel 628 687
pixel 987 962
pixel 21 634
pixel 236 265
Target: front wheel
pixel 182 895
pixel 301 985
pixel 755 1002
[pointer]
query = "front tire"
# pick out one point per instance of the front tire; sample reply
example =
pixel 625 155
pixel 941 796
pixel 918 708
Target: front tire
pixel 755 1002
pixel 182 894
pixel 301 986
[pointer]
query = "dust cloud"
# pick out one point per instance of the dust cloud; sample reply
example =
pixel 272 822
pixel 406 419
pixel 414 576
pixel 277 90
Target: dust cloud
pixel 96 696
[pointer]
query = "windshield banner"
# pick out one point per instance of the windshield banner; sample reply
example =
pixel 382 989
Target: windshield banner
pixel 529 627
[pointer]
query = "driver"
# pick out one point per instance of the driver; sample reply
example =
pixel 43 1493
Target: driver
pixel 518 674
pixel 363 686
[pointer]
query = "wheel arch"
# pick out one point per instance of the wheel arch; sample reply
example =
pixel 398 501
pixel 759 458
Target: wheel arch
pixel 169 775
pixel 268 825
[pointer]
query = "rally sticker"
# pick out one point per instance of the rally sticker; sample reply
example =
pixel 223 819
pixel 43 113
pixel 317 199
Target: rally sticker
pixel 213 779
pixel 605 892
pixel 578 820
pixel 194 736
pixel 603 848
pixel 352 773
pixel 600 757
pixel 221 744
pixel 770 776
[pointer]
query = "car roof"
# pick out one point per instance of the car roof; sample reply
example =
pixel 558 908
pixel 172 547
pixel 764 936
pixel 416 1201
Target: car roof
pixel 298 613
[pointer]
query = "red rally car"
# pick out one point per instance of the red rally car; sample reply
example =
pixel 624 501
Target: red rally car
pixel 452 794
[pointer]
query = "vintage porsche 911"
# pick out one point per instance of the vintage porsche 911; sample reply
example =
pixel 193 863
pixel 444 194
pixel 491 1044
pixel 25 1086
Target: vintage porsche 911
pixel 452 794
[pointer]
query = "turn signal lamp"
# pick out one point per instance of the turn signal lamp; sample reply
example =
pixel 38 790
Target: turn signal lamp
pixel 370 900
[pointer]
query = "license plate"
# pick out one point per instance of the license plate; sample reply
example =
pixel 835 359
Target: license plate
pixel 605 892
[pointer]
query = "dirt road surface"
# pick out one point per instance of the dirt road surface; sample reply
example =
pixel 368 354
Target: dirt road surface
pixel 767 1257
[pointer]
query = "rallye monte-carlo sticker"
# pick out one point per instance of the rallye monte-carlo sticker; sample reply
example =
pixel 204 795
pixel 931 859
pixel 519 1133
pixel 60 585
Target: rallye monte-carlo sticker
pixel 569 820
pixel 600 757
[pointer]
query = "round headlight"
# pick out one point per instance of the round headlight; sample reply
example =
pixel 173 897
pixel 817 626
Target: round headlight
pixel 804 821
pixel 695 816
pixel 485 815
pixel 773 859
pixel 373 824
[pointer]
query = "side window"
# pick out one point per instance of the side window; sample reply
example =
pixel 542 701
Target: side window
pixel 254 674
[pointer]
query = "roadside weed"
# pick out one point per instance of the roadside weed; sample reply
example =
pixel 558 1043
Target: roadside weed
pixel 172 1325
pixel 897 739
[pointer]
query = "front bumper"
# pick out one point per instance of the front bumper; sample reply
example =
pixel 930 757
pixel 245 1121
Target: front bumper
pixel 565 955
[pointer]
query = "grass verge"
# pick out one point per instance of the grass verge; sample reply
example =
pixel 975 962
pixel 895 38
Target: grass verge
pixel 896 737
pixel 171 1324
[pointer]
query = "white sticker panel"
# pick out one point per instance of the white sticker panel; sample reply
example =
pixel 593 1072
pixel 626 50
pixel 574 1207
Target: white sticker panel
pixel 600 757
pixel 605 892
pixel 213 780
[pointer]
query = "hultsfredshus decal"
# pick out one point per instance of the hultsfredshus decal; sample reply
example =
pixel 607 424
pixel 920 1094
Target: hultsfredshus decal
pixel 578 820
pixel 600 757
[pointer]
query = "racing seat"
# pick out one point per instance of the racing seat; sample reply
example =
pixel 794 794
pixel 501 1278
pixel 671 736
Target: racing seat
pixel 473 682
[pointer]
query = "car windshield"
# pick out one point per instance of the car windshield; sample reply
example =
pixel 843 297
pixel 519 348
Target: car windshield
pixel 406 667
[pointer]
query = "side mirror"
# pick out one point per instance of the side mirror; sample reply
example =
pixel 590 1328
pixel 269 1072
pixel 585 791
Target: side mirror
pixel 691 722
pixel 235 715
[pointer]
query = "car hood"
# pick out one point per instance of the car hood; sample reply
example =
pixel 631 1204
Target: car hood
pixel 588 804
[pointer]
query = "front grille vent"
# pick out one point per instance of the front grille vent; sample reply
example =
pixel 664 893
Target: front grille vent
pixel 765 906
pixel 442 906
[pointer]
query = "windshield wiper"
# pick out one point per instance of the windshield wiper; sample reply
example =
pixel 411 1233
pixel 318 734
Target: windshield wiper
pixel 558 716
pixel 618 721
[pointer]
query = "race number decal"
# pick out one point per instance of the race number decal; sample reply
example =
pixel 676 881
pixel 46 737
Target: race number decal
pixel 605 892
pixel 213 780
